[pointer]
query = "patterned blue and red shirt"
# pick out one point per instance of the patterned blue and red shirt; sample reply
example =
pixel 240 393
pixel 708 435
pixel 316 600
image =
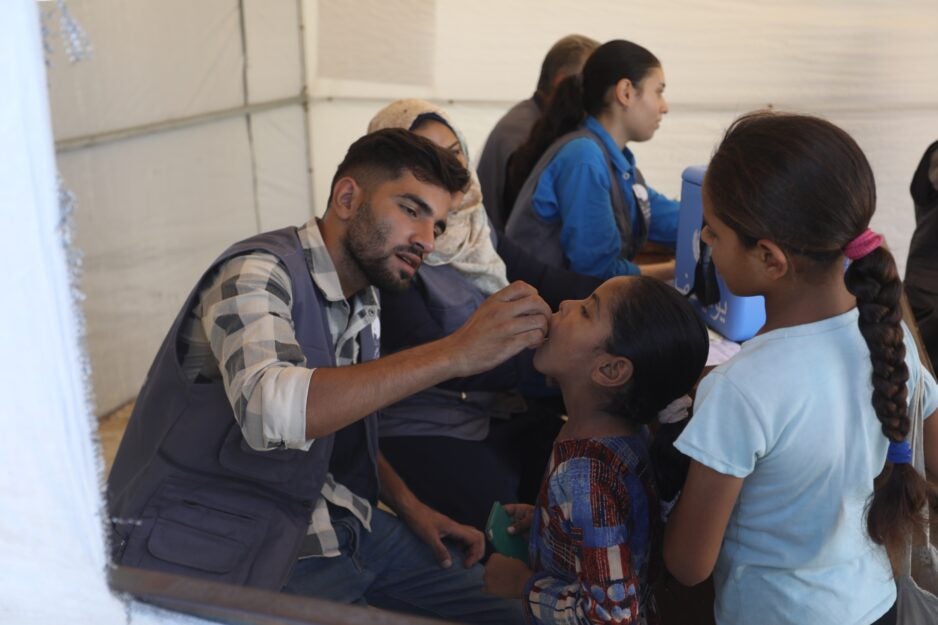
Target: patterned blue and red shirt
pixel 594 525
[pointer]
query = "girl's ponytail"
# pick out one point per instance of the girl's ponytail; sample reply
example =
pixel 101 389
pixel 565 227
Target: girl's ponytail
pixel 900 493
pixel 573 99
pixel 563 114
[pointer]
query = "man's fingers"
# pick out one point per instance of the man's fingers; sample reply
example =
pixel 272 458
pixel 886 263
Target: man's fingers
pixel 515 343
pixel 526 338
pixel 515 290
pixel 440 552
pixel 528 305
pixel 520 298
pixel 473 539
pixel 474 553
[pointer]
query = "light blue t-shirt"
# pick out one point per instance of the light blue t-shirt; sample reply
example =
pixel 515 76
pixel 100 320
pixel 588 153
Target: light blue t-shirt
pixel 792 414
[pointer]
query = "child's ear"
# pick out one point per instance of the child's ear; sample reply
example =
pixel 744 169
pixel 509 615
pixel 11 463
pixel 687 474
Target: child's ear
pixel 611 371
pixel 773 260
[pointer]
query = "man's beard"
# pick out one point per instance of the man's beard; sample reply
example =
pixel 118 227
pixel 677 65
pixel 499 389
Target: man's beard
pixel 364 239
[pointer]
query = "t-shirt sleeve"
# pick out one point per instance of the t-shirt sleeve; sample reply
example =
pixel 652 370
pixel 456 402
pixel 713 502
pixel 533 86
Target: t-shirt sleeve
pixel 931 393
pixel 726 433
pixel 930 388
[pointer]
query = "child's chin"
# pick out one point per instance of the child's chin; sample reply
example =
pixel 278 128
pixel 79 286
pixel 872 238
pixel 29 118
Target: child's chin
pixel 541 360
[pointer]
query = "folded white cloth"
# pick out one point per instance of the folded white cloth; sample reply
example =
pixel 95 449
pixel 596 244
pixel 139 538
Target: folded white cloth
pixel 676 411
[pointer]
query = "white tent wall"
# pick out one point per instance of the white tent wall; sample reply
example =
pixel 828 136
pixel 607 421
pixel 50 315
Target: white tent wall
pixel 868 65
pixel 155 208
pixel 156 205
pixel 52 548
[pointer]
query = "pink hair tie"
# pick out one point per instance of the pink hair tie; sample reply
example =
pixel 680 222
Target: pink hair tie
pixel 863 244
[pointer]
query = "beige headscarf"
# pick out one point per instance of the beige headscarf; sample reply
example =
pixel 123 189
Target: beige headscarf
pixel 467 242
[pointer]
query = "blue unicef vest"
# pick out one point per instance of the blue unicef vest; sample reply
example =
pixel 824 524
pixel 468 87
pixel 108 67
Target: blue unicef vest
pixel 541 238
pixel 188 495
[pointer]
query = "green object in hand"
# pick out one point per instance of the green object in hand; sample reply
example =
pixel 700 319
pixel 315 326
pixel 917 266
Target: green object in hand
pixel 496 530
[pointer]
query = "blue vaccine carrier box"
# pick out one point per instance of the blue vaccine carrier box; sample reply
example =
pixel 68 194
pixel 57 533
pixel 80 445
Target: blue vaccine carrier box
pixel 737 318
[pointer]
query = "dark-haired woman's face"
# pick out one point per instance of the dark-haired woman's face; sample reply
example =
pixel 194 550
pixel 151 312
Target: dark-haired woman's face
pixel 578 332
pixel 649 106
pixel 442 135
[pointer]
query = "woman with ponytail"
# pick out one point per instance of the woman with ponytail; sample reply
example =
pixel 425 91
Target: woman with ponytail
pixel 579 200
pixel 799 476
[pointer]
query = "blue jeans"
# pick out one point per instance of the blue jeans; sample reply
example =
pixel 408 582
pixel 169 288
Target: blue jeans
pixel 391 568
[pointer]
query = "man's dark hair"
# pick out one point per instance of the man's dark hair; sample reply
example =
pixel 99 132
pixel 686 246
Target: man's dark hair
pixel 564 56
pixel 386 154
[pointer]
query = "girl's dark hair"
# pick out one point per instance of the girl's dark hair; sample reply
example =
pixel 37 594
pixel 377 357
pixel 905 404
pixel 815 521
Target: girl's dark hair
pixel 666 340
pixel 804 184
pixel 573 99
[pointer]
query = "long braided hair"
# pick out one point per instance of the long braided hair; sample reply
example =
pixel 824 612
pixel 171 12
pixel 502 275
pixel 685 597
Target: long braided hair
pixel 804 183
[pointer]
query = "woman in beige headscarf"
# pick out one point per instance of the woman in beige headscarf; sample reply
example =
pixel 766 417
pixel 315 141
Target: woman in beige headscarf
pixel 467 242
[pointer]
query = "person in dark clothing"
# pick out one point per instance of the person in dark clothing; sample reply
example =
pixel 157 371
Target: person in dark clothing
pixel 465 443
pixel 566 57
pixel 921 270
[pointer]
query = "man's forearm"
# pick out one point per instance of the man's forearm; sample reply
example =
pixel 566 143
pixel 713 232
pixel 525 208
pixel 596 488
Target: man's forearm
pixel 394 492
pixel 339 396
pixel 512 319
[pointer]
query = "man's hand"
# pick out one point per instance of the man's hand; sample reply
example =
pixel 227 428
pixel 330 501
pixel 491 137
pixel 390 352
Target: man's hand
pixel 432 527
pixel 509 321
pixel 521 515
pixel 506 576
pixel 505 323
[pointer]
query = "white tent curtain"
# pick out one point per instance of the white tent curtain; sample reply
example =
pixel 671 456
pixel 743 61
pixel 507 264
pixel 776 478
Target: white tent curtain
pixel 184 132
pixel 52 546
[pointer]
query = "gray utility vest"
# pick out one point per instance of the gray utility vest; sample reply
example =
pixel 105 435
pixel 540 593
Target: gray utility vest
pixel 450 299
pixel 541 238
pixel 188 495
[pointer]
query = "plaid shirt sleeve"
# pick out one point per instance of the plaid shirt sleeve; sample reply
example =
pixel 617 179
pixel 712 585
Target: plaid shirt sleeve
pixel 589 508
pixel 246 313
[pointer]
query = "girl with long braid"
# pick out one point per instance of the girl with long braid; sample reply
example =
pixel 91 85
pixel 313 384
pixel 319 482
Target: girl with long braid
pixel 798 481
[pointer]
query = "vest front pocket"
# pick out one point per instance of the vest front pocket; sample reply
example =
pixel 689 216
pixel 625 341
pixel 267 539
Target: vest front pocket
pixel 188 529
pixel 193 548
